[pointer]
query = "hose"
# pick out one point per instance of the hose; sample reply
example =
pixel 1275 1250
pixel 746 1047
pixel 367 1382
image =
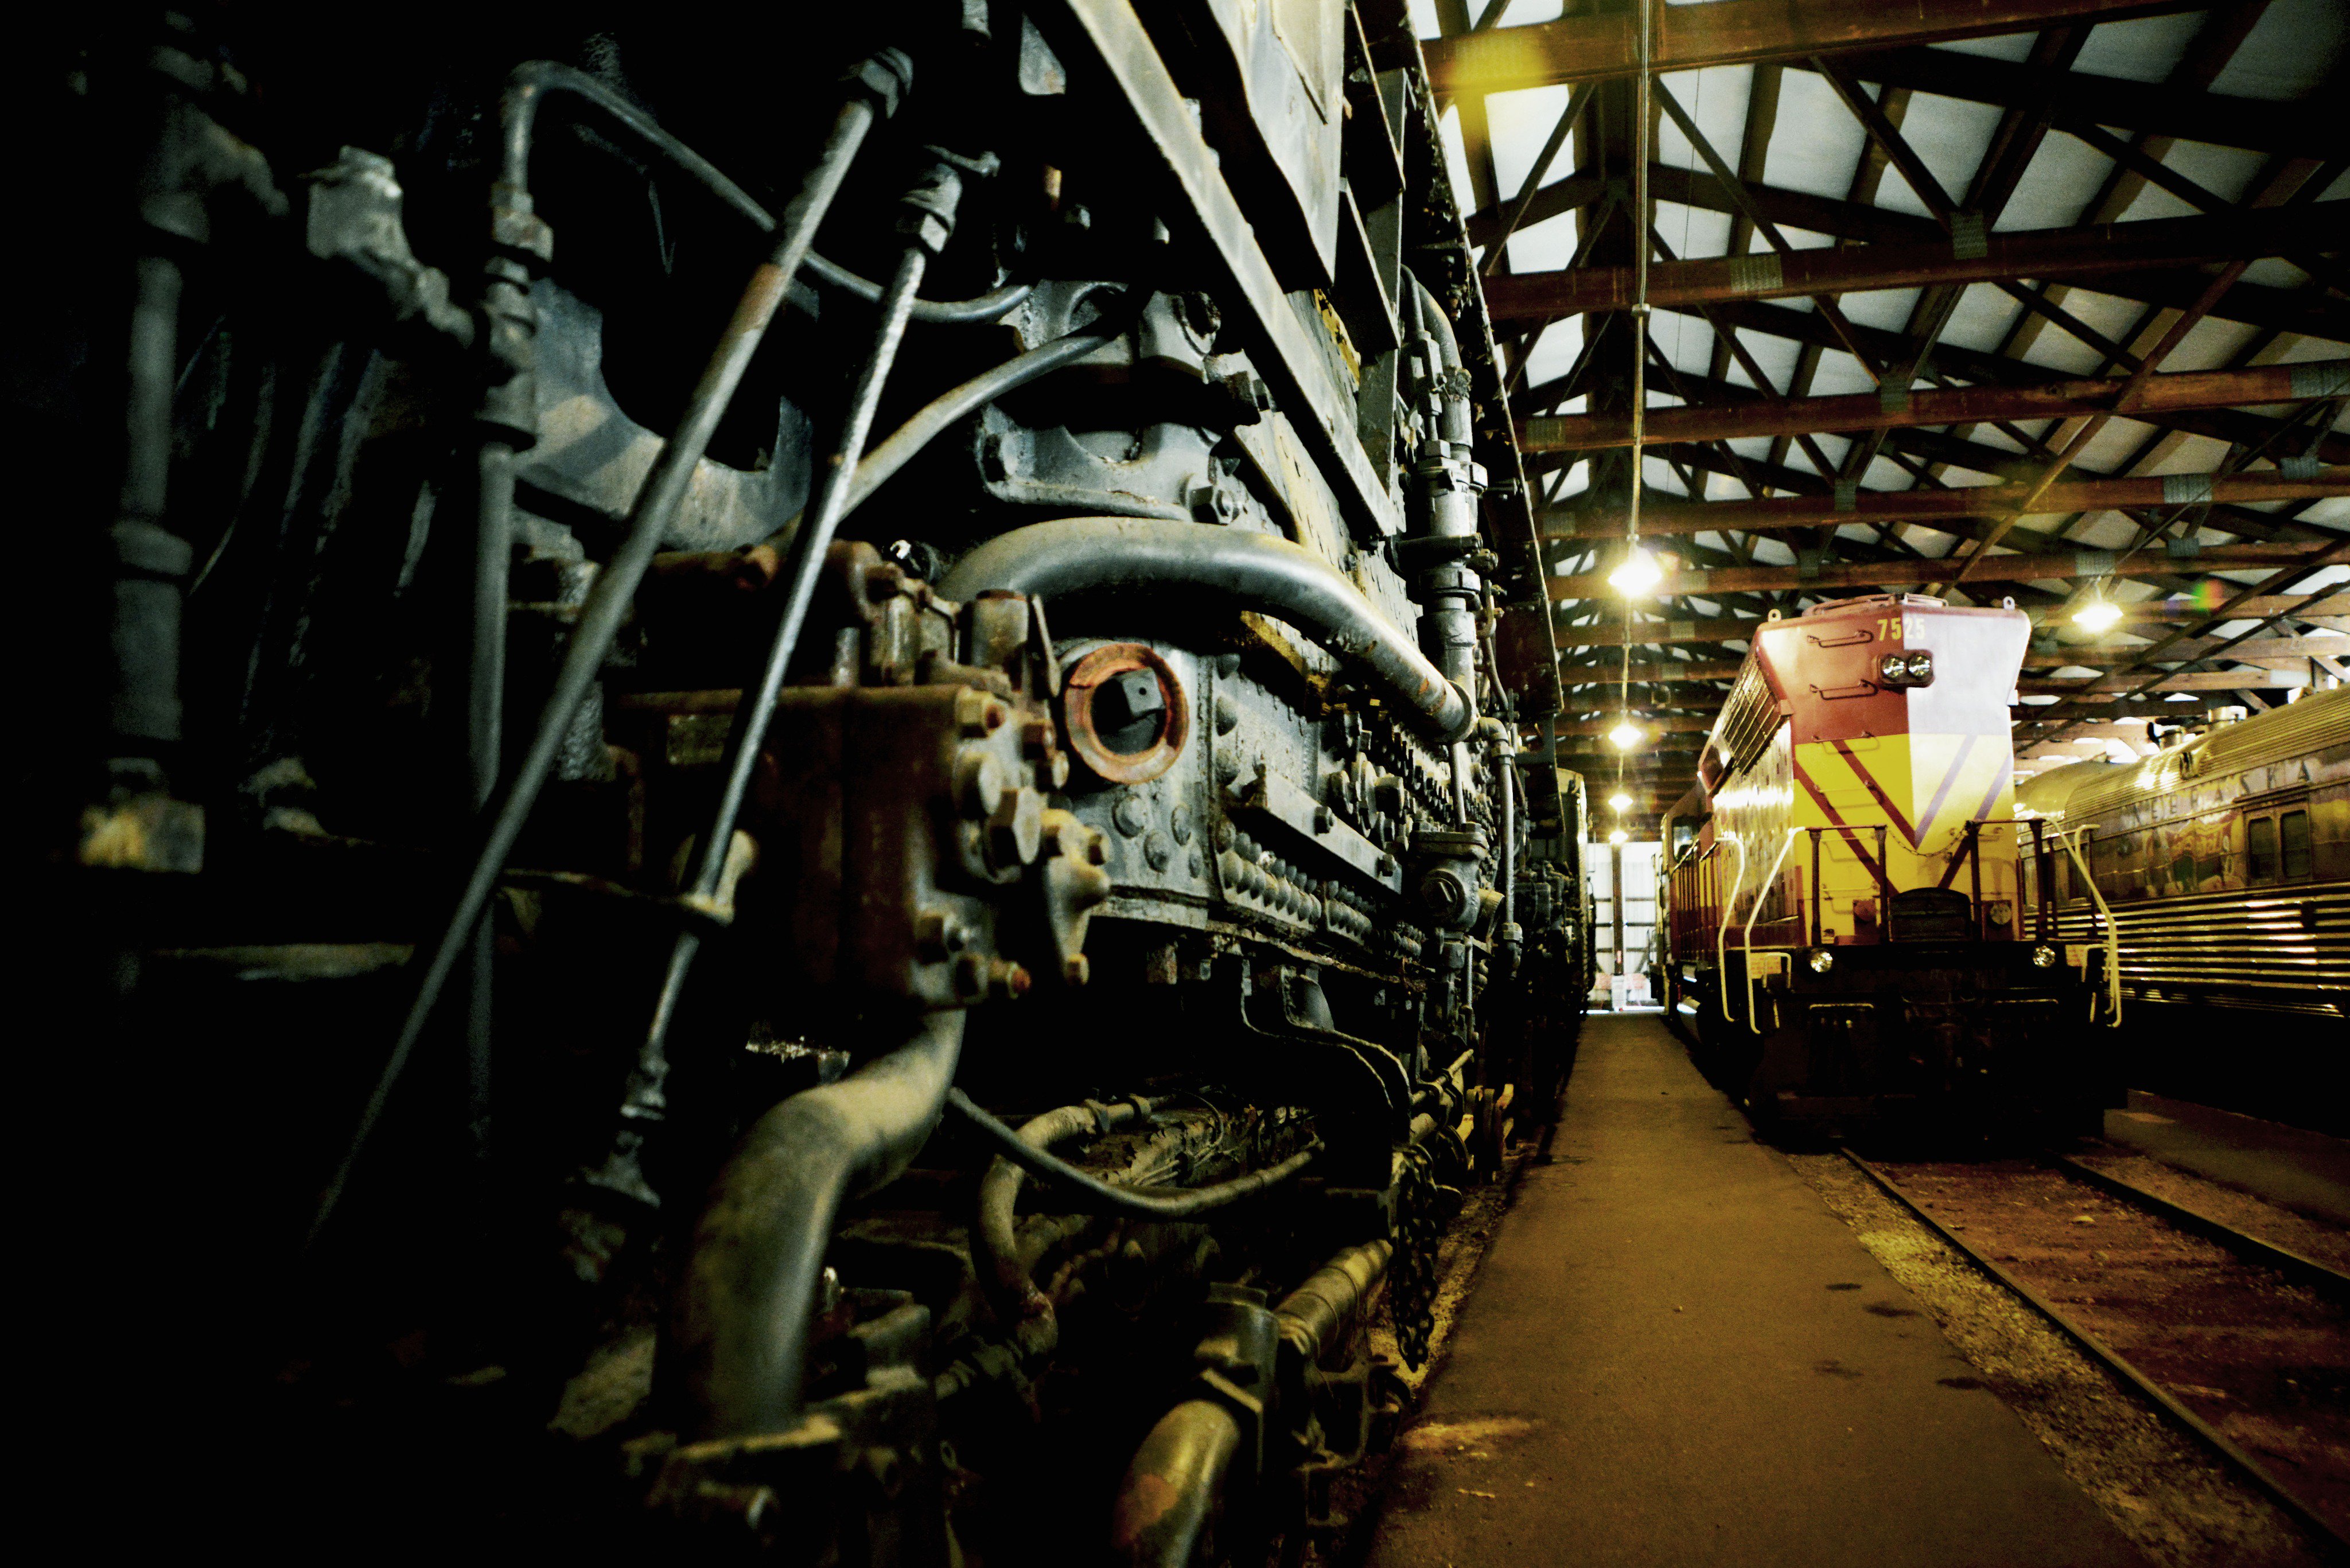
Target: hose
pixel 882 464
pixel 1010 1287
pixel 534 80
pixel 992 306
pixel 616 585
pixel 742 1328
pixel 1247 570
pixel 1183 1204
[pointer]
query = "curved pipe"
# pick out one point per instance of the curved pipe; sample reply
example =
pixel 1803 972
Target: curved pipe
pixel 1722 932
pixel 1181 1204
pixel 743 1317
pixel 1011 1289
pixel 1249 571
pixel 1453 423
pixel 878 465
pixel 1746 985
pixel 534 81
pixel 1173 1486
pixel 992 306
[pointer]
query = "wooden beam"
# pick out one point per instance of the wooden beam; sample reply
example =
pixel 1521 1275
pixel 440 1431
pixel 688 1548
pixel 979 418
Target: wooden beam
pixel 1680 516
pixel 2332 614
pixel 2177 390
pixel 2188 681
pixel 2251 651
pixel 2094 250
pixel 2002 568
pixel 1732 32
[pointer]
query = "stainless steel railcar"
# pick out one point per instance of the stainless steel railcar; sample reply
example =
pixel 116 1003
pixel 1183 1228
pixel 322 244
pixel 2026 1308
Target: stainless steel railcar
pixel 2221 868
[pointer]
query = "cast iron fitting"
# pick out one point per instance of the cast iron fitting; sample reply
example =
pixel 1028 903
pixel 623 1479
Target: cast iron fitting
pixel 883 78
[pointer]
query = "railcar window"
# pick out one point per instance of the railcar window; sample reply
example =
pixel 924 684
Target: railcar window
pixel 2293 832
pixel 2261 849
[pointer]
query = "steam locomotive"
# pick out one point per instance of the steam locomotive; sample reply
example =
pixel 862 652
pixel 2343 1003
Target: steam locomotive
pixel 1850 946
pixel 782 797
pixel 2218 871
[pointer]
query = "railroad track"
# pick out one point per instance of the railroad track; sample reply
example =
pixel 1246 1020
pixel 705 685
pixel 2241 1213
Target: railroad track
pixel 2166 1318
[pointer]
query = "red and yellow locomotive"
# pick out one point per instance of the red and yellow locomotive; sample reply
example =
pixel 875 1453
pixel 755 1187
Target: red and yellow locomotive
pixel 1848 942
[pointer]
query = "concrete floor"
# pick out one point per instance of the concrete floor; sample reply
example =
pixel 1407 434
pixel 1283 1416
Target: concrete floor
pixel 1676 1354
pixel 2290 1166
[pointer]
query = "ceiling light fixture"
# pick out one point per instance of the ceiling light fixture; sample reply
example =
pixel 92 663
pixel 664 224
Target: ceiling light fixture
pixel 1627 736
pixel 1620 801
pixel 1619 836
pixel 1638 575
pixel 2097 613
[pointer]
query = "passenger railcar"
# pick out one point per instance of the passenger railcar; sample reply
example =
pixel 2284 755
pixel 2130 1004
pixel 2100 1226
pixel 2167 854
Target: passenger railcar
pixel 2219 868
pixel 782 767
pixel 1848 939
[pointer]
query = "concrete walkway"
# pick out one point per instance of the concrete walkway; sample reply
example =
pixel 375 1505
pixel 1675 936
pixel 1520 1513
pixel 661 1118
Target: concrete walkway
pixel 2290 1166
pixel 1676 1354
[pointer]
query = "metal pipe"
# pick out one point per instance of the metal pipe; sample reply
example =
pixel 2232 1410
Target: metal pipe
pixel 1505 757
pixel 992 306
pixel 758 1251
pixel 149 559
pixel 1723 906
pixel 485 739
pixel 877 466
pixel 1974 877
pixel 608 601
pixel 1883 889
pixel 1321 1313
pixel 1183 1203
pixel 2042 874
pixel 1448 590
pixel 646 1100
pixel 1248 571
pixel 1770 881
pixel 534 81
pixel 1818 895
pixel 1003 1273
pixel 1173 1486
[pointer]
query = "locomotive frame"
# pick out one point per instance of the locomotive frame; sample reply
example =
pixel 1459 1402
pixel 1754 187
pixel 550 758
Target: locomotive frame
pixel 890 947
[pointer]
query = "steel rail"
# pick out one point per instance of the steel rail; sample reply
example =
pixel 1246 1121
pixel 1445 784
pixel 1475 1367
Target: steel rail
pixel 2327 1536
pixel 2302 1270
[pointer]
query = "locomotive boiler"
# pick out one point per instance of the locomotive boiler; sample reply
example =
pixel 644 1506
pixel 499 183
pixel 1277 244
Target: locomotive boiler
pixel 1849 943
pixel 2219 871
pixel 787 773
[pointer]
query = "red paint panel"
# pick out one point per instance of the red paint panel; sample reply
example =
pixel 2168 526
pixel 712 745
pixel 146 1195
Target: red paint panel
pixel 1824 667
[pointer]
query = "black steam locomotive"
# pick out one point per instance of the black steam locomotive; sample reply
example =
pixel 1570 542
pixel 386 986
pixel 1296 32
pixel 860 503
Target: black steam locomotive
pixel 782 808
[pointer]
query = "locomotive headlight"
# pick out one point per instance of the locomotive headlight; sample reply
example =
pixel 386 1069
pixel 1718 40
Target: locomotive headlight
pixel 1890 669
pixel 2044 957
pixel 1822 961
pixel 1919 667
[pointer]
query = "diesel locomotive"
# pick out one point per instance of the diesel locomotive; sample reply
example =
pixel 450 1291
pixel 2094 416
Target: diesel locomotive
pixel 1850 943
pixel 784 791
pixel 2218 870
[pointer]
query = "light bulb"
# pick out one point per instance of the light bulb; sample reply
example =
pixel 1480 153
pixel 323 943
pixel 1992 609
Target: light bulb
pixel 1636 574
pixel 2097 615
pixel 1619 836
pixel 1620 801
pixel 1625 735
